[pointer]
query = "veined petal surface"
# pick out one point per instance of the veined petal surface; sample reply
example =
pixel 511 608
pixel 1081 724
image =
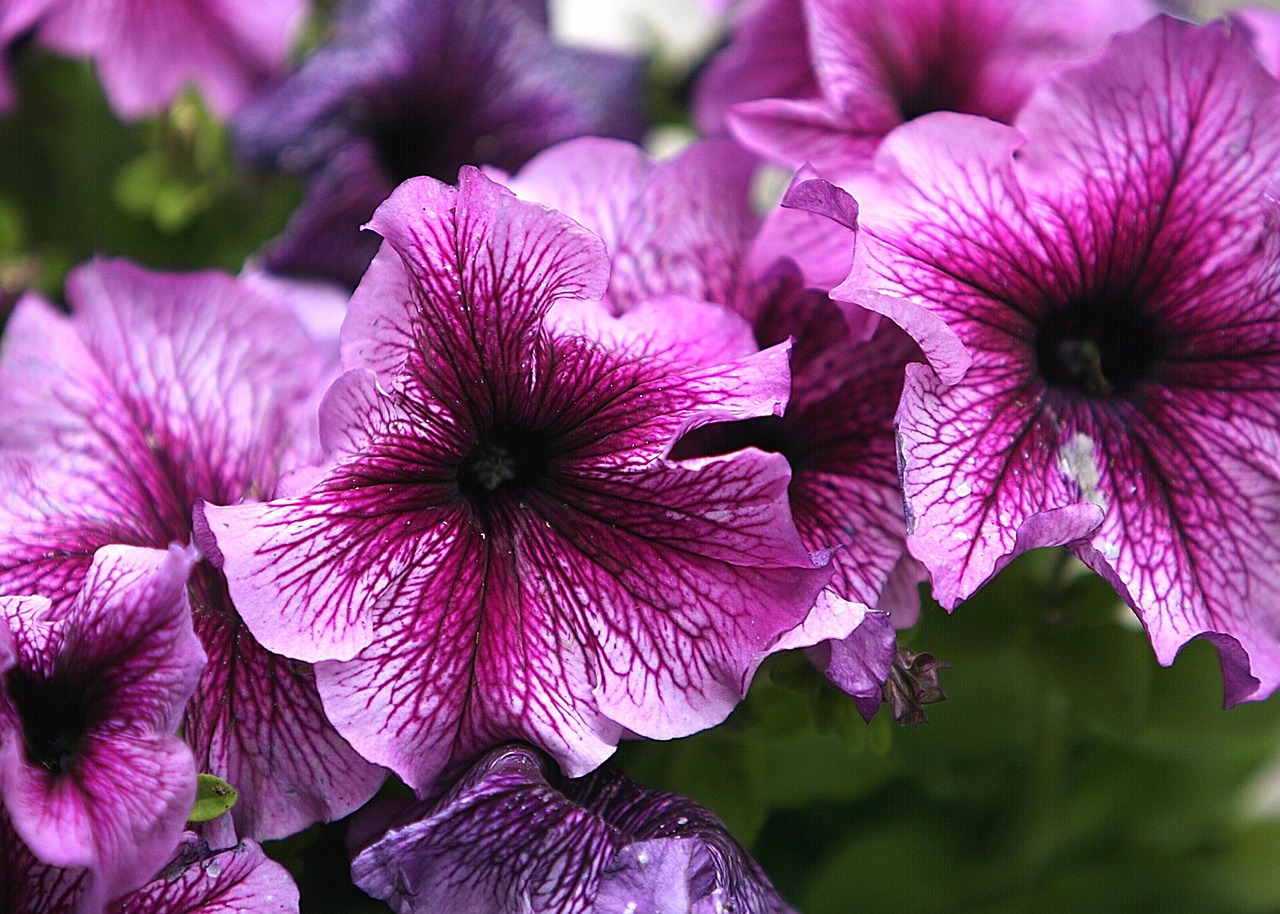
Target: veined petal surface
pixel 511 837
pixel 500 548
pixel 1111 271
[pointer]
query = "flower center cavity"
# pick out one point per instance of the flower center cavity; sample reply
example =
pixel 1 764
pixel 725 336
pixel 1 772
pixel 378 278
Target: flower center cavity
pixel 776 434
pixel 506 460
pixel 1102 347
pixel 54 718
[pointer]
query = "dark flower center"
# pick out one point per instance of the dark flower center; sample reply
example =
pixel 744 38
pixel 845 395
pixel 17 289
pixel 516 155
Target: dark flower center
pixel 507 461
pixel 768 433
pixel 410 145
pixel 55 715
pixel 938 90
pixel 1102 346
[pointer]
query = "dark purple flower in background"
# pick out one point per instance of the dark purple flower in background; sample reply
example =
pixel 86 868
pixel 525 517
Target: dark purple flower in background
pixel 1099 297
pixel 878 63
pixel 686 227
pixel 500 548
pixel 160 389
pixel 513 837
pixel 91 773
pixel 421 87
pixel 147 51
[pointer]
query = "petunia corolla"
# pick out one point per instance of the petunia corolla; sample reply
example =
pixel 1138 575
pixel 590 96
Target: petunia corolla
pixel 196 880
pixel 160 389
pixel 422 87
pixel 878 63
pixel 147 51
pixel 499 547
pixel 512 837
pixel 686 227
pixel 1097 294
pixel 91 773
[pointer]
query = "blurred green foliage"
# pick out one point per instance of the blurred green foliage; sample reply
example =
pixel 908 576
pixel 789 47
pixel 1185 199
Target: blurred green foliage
pixel 74 182
pixel 1067 771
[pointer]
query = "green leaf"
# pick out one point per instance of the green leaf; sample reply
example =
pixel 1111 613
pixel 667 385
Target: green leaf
pixel 214 796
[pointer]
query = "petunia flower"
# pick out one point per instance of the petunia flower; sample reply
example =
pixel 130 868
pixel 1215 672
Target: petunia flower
pixel 422 87
pixel 512 836
pixel 157 390
pixel 500 548
pixel 686 227
pixel 1097 294
pixel 91 773
pixel 147 51
pixel 878 63
pixel 196 880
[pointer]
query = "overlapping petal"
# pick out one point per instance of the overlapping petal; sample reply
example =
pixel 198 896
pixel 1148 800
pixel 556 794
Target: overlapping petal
pixel 511 836
pixel 1113 281
pixel 500 549
pixel 681 226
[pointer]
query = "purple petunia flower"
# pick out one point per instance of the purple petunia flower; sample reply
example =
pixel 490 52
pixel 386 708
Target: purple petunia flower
pixel 158 390
pixel 422 87
pixel 91 773
pixel 878 63
pixel 686 227
pixel 228 47
pixel 1097 293
pixel 196 880
pixel 500 548
pixel 511 837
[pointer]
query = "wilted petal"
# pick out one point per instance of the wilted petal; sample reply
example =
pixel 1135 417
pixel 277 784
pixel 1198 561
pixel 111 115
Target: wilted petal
pixel 511 837
pixel 860 663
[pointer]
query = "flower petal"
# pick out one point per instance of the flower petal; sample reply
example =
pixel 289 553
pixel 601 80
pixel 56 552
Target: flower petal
pixel 478 244
pixel 203 881
pixel 506 839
